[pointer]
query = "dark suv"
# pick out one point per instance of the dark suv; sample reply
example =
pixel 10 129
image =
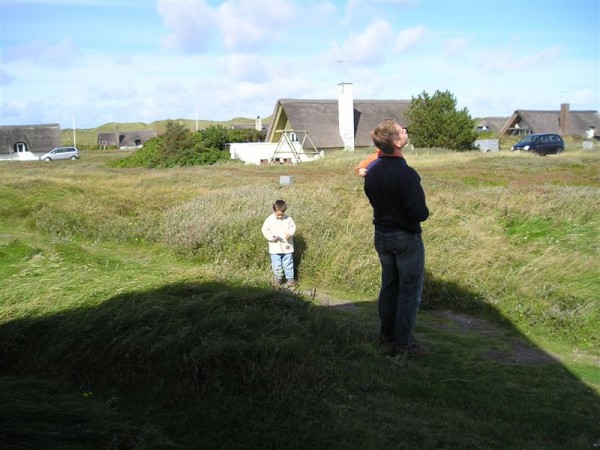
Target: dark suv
pixel 542 144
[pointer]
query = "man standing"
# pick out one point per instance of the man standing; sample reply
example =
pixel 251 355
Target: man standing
pixel 395 193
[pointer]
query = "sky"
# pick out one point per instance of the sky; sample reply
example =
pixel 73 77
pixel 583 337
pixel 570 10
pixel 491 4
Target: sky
pixel 85 63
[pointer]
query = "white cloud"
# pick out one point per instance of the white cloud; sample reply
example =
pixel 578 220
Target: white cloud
pixel 410 38
pixel 192 24
pixel 244 68
pixel 112 92
pixel 455 47
pixel 251 25
pixel 505 61
pixel 237 25
pixel 59 55
pixel 368 47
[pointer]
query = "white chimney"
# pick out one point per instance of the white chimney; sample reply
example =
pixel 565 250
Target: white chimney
pixel 346 115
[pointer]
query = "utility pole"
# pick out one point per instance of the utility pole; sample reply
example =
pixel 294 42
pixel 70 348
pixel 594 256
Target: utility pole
pixel 74 137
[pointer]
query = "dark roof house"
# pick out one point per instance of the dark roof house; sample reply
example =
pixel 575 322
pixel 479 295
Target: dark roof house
pixel 125 138
pixel 564 122
pixel 16 139
pixel 335 124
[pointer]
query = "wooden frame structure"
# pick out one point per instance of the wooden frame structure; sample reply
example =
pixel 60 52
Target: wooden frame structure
pixel 286 146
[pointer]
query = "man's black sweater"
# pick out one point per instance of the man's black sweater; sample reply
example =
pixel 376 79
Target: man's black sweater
pixel 395 193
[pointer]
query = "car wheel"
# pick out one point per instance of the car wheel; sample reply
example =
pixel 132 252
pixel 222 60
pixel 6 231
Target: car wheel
pixel 47 159
pixel 73 158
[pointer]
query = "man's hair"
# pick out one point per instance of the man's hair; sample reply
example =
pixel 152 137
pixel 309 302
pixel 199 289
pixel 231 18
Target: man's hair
pixel 384 136
pixel 279 205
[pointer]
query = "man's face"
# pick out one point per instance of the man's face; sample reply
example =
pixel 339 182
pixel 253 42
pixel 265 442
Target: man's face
pixel 402 140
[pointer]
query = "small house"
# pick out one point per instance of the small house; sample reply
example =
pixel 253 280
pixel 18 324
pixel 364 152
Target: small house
pixel 564 122
pixel 125 139
pixel 27 142
pixel 302 130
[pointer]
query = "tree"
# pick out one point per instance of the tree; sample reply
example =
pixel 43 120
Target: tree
pixel 176 144
pixel 217 136
pixel 435 122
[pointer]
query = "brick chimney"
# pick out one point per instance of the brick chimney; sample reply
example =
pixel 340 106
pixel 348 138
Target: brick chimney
pixel 564 119
pixel 346 115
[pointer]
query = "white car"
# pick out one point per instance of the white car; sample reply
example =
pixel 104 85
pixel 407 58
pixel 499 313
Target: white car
pixel 61 153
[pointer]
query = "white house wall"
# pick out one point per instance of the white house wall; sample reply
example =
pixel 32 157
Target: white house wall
pixel 20 156
pixel 256 152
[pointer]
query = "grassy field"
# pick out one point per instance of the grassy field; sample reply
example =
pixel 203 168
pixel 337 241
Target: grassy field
pixel 136 308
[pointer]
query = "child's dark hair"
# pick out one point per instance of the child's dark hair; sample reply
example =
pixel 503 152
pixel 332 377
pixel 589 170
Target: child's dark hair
pixel 279 205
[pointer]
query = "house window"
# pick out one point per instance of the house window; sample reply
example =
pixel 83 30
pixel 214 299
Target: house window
pixel 293 137
pixel 20 147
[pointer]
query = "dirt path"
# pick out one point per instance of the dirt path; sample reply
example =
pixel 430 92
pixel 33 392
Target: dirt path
pixel 519 350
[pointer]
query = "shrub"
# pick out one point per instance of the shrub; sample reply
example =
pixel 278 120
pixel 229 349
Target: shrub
pixel 435 122
pixel 178 146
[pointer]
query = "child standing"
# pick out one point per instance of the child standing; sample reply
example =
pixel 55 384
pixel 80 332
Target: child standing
pixel 279 229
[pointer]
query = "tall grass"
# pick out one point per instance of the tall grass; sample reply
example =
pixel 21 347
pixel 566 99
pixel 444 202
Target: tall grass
pixel 520 231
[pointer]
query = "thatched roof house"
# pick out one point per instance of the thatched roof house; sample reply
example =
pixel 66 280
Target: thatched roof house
pixel 123 139
pixel 563 122
pixel 335 124
pixel 494 124
pixel 29 138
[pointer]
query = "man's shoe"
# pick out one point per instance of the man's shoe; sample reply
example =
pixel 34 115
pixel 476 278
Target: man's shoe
pixel 291 283
pixel 415 351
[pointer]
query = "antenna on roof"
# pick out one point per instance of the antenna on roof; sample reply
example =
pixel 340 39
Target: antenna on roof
pixel 341 64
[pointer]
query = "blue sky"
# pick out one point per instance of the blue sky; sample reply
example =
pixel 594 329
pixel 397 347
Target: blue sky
pixel 141 61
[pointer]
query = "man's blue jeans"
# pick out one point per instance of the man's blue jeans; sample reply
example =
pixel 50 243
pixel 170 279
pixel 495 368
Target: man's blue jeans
pixel 402 257
pixel 283 263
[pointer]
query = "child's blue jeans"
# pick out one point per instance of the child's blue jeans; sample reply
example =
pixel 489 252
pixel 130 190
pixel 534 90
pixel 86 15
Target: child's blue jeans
pixel 283 263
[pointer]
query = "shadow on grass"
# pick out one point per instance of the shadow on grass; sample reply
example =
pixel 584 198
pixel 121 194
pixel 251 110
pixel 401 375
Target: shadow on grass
pixel 213 365
pixel 300 247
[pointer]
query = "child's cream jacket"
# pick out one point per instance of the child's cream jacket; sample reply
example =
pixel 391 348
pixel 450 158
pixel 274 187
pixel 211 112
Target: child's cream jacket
pixel 279 227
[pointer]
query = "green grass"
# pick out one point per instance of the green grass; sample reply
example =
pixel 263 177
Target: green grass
pixel 136 309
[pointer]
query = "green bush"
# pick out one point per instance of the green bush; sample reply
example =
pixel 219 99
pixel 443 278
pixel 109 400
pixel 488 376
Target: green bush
pixel 436 123
pixel 179 147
